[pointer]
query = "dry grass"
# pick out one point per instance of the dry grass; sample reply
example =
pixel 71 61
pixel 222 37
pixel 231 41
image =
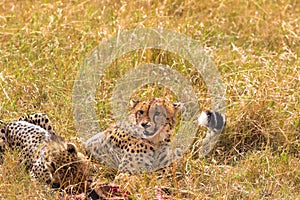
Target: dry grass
pixel 255 45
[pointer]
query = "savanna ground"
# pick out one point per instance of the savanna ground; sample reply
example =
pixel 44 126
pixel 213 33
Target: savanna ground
pixel 255 46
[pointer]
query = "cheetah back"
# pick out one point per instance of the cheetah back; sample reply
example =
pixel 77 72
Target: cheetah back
pixel 39 119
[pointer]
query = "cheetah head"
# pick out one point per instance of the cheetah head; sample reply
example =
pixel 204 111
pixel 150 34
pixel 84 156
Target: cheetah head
pixel 155 117
pixel 66 164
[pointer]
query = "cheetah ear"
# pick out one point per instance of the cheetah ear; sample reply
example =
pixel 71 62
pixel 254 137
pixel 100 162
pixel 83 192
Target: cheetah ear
pixel 71 148
pixel 133 103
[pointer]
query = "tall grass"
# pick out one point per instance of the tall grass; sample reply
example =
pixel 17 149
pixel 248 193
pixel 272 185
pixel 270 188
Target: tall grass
pixel 255 46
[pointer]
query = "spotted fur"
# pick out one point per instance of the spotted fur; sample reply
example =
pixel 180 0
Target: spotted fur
pixel 48 157
pixel 142 141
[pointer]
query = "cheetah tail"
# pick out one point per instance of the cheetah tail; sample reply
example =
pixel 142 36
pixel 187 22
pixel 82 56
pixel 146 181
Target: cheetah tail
pixel 214 121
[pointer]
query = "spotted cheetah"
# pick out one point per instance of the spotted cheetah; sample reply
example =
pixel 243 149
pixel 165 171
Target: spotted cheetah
pixel 141 142
pixel 48 157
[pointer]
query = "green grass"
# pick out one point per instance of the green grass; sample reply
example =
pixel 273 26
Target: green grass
pixel 255 46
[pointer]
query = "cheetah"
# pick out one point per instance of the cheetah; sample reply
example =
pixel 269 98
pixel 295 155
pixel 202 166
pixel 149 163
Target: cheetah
pixel 134 145
pixel 142 142
pixel 47 156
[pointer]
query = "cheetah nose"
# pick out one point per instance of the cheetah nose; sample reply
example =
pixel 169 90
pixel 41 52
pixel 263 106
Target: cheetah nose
pixel 145 124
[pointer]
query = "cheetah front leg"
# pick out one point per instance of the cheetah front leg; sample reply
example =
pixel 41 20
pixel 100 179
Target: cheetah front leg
pixel 129 166
pixel 40 172
pixel 100 148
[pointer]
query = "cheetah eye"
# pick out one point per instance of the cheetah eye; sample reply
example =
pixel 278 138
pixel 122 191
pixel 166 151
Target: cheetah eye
pixel 140 112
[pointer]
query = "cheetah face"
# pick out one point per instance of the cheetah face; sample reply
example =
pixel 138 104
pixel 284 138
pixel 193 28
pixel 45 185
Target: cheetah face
pixel 66 164
pixel 152 116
